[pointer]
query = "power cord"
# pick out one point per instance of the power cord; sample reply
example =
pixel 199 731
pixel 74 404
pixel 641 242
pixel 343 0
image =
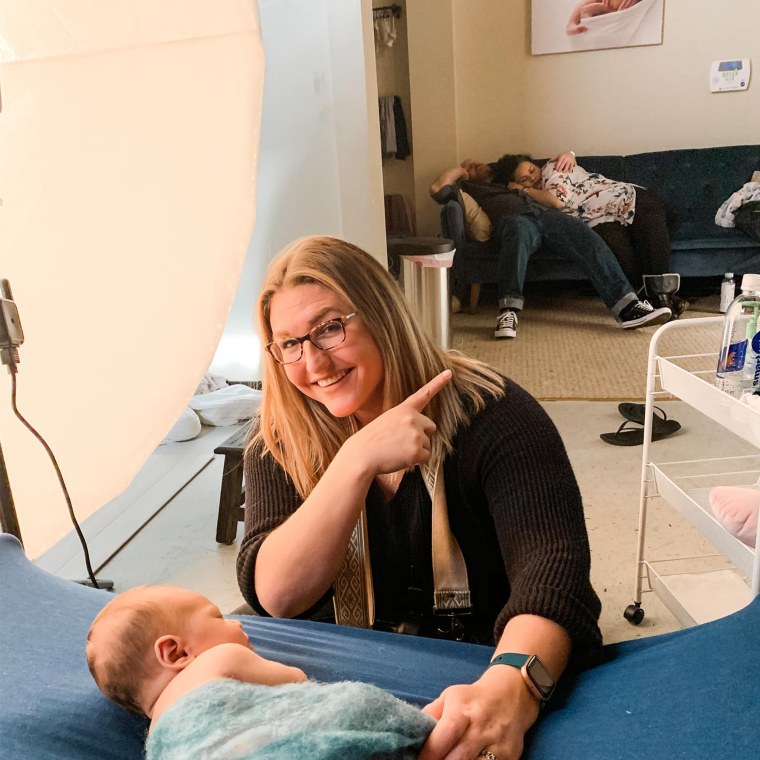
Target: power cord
pixel 91 575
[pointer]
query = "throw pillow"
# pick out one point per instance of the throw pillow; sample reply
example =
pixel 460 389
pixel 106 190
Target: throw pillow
pixel 736 509
pixel 477 225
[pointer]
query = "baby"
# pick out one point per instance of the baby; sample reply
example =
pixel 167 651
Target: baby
pixel 589 8
pixel 169 654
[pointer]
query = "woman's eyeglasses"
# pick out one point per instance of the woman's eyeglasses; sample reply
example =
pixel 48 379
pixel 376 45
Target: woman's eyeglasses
pixel 324 336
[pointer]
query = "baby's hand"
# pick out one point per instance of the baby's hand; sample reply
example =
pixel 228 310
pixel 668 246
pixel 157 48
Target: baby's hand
pixel 575 28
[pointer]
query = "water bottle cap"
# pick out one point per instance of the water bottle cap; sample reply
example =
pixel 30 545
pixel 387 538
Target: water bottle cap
pixel 751 282
pixel 728 276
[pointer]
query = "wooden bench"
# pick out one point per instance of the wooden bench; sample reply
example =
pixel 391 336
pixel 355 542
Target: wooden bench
pixel 232 495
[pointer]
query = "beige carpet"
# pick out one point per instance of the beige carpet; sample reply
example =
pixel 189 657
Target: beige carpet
pixel 568 346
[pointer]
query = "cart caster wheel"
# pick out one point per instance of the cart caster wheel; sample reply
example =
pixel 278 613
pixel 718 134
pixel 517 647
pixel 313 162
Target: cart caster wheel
pixel 633 614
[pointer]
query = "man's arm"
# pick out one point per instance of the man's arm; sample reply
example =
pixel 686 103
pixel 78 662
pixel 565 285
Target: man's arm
pixel 449 177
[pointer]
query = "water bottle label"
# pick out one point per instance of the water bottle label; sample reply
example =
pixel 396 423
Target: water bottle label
pixel 732 358
pixel 754 359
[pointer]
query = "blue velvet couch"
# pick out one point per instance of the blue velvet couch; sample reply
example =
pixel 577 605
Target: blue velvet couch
pixel 692 182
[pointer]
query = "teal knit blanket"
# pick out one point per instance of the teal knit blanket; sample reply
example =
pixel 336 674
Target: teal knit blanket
pixel 227 719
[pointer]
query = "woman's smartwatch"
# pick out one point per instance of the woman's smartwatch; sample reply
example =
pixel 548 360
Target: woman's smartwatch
pixel 534 673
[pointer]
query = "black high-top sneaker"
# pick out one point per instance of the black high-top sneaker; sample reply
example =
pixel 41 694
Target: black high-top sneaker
pixel 641 313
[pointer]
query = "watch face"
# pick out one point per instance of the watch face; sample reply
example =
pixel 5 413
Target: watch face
pixel 540 677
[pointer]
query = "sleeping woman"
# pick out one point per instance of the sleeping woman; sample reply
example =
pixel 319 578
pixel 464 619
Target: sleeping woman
pixel 630 219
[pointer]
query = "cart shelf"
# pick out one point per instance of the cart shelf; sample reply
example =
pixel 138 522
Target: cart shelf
pixel 694 594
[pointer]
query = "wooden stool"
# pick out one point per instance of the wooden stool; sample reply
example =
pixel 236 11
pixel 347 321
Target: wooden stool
pixel 232 495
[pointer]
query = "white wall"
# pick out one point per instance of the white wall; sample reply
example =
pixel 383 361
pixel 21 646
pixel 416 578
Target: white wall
pixel 625 100
pixel 434 101
pixel 319 166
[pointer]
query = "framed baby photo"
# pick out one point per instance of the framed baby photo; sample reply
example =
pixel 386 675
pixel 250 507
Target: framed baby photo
pixel 565 26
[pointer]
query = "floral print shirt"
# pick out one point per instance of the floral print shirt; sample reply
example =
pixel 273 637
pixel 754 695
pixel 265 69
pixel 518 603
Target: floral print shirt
pixel 591 197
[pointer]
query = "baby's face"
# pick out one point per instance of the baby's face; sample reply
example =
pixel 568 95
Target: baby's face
pixel 202 623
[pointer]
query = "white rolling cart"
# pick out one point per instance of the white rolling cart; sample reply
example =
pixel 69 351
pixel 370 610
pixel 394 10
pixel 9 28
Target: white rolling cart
pixel 686 485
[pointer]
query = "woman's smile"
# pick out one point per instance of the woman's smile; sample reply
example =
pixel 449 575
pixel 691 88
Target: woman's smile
pixel 333 379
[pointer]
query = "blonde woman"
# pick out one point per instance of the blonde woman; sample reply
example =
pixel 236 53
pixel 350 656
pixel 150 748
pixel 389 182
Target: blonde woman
pixel 366 421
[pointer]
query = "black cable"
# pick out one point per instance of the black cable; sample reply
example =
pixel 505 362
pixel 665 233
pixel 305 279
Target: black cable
pixel 49 451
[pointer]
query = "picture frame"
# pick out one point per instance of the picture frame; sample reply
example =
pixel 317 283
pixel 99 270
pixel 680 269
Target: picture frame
pixel 565 26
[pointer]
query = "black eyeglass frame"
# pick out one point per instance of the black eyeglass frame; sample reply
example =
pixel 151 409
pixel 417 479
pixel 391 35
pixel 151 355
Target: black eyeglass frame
pixel 340 320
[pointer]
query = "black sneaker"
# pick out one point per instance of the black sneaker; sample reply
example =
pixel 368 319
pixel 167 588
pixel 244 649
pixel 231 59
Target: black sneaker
pixel 506 325
pixel 641 313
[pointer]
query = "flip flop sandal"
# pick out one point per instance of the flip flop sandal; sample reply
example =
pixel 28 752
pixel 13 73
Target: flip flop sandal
pixel 635 413
pixel 635 436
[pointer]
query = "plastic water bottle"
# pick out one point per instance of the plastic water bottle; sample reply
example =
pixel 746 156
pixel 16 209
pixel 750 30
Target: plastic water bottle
pixel 727 291
pixel 740 347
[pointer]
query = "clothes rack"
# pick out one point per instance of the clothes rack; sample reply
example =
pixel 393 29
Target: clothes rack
pixel 384 11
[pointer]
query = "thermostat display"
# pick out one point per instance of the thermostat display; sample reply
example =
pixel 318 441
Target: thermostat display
pixel 729 75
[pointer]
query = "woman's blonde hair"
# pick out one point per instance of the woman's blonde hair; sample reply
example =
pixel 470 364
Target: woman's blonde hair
pixel 300 433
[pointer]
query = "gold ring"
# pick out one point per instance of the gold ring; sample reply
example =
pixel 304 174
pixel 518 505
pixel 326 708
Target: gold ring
pixel 486 754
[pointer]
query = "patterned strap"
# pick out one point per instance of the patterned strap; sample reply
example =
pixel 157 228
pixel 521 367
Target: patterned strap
pixel 451 589
pixel 354 599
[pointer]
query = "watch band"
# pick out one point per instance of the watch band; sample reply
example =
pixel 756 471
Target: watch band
pixel 539 683
pixel 510 658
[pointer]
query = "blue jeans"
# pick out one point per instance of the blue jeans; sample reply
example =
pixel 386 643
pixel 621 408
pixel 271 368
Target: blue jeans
pixel 520 236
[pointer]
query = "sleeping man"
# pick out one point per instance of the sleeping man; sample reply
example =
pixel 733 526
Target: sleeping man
pixel 169 654
pixel 527 218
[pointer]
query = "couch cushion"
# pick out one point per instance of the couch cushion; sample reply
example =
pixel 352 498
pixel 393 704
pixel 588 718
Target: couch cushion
pixel 707 234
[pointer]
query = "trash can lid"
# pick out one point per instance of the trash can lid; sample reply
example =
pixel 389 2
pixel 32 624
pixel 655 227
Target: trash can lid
pixel 419 246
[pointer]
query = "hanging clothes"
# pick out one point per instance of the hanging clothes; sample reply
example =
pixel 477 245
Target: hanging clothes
pixel 387 126
pixel 402 141
pixel 393 136
pixel 385 29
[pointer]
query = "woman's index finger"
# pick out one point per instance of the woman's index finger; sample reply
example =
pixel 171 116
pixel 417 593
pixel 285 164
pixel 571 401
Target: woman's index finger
pixel 419 399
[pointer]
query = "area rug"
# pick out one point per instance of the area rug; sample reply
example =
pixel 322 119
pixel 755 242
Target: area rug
pixel 568 346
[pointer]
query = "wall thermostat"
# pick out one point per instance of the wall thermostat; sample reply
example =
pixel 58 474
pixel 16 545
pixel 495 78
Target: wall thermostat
pixel 729 75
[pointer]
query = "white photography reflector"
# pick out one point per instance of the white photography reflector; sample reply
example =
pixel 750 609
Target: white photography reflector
pixel 128 151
